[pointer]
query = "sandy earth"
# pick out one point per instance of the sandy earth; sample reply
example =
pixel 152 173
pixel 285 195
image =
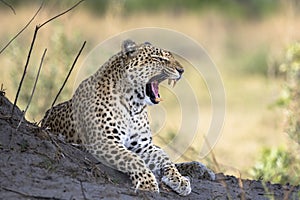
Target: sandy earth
pixel 37 165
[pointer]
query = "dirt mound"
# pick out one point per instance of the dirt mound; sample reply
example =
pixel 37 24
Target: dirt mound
pixel 37 165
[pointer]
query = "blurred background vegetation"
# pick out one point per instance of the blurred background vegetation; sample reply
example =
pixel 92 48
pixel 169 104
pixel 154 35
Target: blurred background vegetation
pixel 253 43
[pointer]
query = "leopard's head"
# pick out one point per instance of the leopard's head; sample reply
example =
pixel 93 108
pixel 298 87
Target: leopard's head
pixel 149 65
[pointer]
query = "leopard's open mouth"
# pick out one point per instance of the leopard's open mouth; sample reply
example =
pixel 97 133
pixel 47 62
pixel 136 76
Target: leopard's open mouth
pixel 152 88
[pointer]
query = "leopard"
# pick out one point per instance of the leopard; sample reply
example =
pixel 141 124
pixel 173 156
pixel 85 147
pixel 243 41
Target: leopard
pixel 108 115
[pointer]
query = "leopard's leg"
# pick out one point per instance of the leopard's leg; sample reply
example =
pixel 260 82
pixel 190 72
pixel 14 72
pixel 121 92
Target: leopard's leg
pixel 118 157
pixel 157 160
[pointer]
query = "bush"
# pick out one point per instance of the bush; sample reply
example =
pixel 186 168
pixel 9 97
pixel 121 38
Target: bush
pixel 282 165
pixel 277 165
pixel 291 92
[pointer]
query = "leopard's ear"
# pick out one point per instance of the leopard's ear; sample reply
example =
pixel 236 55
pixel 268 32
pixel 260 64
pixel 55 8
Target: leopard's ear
pixel 129 47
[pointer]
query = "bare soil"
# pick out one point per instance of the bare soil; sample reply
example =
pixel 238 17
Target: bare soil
pixel 37 165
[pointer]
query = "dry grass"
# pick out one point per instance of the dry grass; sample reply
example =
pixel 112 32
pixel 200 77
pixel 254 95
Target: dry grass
pixel 249 124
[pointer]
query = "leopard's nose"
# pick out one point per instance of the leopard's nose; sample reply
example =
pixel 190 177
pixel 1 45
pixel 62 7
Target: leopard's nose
pixel 180 70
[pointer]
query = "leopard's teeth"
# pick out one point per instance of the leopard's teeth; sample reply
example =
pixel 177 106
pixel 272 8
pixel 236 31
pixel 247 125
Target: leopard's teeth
pixel 174 83
pixel 158 99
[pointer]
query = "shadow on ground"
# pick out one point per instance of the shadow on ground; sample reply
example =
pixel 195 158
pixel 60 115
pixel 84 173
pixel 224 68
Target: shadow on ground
pixel 37 165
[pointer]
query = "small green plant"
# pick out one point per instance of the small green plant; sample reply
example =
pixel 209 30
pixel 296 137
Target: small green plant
pixel 277 165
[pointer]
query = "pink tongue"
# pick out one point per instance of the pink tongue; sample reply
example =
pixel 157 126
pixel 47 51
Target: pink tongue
pixel 154 86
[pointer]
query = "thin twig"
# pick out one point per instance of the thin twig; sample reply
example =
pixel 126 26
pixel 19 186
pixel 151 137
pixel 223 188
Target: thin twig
pixel 22 28
pixel 28 195
pixel 218 168
pixel 30 50
pixel 65 81
pixel 241 185
pixel 60 14
pixel 287 194
pixel 56 144
pixel 10 6
pixel 2 90
pixel 33 89
pixel 83 191
pixel 25 70
pixel 70 71
pixel 212 154
pixel 15 191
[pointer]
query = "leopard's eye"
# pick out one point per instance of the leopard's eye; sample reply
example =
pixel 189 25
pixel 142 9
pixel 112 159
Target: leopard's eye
pixel 160 58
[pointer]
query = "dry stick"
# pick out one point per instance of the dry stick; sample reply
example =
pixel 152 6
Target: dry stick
pixel 22 28
pixel 33 89
pixel 30 50
pixel 241 185
pixel 212 153
pixel 61 14
pixel 7 4
pixel 2 90
pixel 214 159
pixel 28 196
pixel 70 71
pixel 83 191
pixel 64 83
pixel 218 165
pixel 24 72
pixel 240 181
pixel 287 194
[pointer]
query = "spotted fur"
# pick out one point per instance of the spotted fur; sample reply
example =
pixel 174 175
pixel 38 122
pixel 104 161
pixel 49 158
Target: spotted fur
pixel 107 114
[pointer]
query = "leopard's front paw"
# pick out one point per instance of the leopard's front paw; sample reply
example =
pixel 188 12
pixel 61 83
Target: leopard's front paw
pixel 180 185
pixel 176 181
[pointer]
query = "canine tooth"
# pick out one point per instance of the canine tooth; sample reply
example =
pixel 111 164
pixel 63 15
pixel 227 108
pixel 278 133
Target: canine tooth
pixel 174 83
pixel 169 81
pixel 158 99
